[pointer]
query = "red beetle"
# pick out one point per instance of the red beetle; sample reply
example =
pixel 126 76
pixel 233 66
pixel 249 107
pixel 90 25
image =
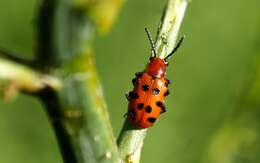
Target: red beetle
pixel 146 100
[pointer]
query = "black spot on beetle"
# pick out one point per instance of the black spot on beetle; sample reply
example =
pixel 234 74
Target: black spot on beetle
pixel 134 81
pixel 167 83
pixel 127 96
pixel 131 114
pixel 151 120
pixel 133 95
pixel 148 109
pixel 139 74
pixel 166 93
pixel 156 91
pixel 140 106
pixel 163 109
pixel 145 87
pixel 159 104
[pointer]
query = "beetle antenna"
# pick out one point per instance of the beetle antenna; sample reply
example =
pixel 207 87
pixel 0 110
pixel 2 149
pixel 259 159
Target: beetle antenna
pixel 151 42
pixel 175 49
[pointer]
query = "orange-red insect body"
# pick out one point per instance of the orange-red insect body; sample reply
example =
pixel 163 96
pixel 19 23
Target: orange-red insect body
pixel 147 99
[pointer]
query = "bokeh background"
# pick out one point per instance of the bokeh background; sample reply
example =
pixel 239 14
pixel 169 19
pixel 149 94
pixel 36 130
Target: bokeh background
pixel 214 108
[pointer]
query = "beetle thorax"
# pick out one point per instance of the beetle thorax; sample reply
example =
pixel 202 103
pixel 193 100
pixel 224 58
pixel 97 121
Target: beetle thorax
pixel 156 67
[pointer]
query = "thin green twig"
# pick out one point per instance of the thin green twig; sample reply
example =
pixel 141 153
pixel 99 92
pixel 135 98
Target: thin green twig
pixel 23 78
pixel 170 26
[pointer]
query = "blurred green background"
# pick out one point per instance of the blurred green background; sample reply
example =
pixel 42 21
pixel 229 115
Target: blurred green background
pixel 214 107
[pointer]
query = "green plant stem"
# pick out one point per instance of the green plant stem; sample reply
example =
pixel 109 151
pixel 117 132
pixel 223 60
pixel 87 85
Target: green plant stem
pixel 77 111
pixel 74 100
pixel 130 140
pixel 170 26
pixel 83 116
pixel 24 78
pixel 130 143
